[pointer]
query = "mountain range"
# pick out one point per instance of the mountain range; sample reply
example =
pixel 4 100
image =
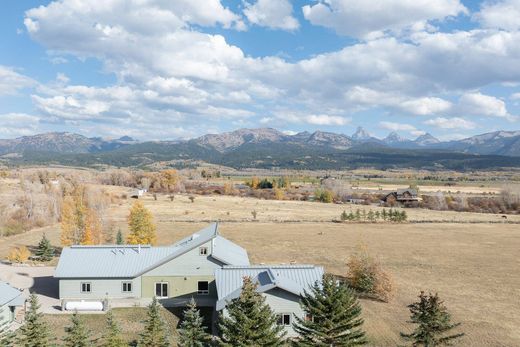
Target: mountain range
pixel 267 147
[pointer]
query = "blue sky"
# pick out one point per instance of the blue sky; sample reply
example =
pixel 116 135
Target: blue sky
pixel 160 69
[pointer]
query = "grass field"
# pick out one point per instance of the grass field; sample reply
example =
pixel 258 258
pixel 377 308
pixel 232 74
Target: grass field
pixel 473 267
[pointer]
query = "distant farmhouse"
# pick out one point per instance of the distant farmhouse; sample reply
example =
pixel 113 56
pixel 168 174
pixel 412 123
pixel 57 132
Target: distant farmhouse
pixel 11 301
pixel 204 266
pixel 401 196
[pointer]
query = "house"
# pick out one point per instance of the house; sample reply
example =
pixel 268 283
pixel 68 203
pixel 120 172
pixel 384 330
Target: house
pixel 401 196
pixel 11 300
pixel 136 194
pixel 282 286
pixel 130 273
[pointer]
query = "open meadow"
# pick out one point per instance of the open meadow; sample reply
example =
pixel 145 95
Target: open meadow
pixel 473 266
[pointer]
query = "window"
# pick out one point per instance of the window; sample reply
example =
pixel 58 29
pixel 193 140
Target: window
pixel 86 287
pixel 203 288
pixel 203 251
pixel 161 289
pixel 284 319
pixel 127 287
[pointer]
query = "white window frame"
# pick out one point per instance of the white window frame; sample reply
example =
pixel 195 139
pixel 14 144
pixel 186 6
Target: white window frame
pixel 203 251
pixel 127 283
pixel 167 289
pixel 282 316
pixel 202 292
pixel 89 287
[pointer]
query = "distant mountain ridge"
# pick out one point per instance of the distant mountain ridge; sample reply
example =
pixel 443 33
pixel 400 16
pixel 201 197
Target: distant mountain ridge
pixel 498 143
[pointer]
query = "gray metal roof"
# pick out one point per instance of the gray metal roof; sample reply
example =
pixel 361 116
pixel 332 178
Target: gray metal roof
pixel 128 261
pixel 10 295
pixel 292 278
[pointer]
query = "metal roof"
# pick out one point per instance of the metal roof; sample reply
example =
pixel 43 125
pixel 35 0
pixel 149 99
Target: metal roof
pixel 229 253
pixel 292 278
pixel 128 261
pixel 10 295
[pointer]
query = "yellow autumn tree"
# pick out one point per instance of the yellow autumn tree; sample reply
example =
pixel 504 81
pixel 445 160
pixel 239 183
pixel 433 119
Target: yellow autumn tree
pixel 141 225
pixel 93 234
pixel 19 254
pixel 72 220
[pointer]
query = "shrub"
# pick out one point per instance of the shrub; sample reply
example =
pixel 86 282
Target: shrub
pixel 366 275
pixel 324 195
pixel 279 194
pixel 19 254
pixel 192 198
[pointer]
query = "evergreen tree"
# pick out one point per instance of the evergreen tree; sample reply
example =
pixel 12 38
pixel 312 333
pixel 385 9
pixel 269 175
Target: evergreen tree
pixel 192 332
pixel 383 214
pixel 142 228
pixel 6 336
pixel 371 216
pixel 404 216
pixel 344 215
pixel 377 215
pixel 119 237
pixel 77 334
pixel 34 332
pixel 154 334
pixel 249 321
pixel 433 323
pixel 358 214
pixel 332 316
pixel 112 336
pixel 351 216
pixel 45 251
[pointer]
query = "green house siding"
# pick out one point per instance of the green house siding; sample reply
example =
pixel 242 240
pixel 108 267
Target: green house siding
pixel 179 286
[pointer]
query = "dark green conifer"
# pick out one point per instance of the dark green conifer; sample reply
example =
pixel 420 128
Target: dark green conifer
pixel 332 316
pixel 34 332
pixel 154 334
pixel 433 322
pixel 112 336
pixel 192 332
pixel 76 335
pixel 249 321
pixel 45 251
pixel 119 237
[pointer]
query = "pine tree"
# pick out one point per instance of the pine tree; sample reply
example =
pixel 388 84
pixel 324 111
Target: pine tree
pixel 45 251
pixel 76 335
pixel 344 215
pixel 154 334
pixel 112 336
pixel 142 228
pixel 383 214
pixel 332 316
pixel 119 237
pixel 433 323
pixel 249 321
pixel 6 336
pixel 34 332
pixel 192 333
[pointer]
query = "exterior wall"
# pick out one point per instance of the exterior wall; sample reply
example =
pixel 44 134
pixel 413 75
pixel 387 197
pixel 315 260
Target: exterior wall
pixel 101 288
pixel 188 264
pixel 6 316
pixel 282 301
pixel 181 289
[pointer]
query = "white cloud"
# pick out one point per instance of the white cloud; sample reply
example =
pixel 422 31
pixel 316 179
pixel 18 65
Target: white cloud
pixel 370 19
pixel 515 96
pixel 502 14
pixel 18 124
pixel 426 106
pixel 483 105
pixel 275 14
pixel 399 127
pixel 451 123
pixel 323 119
pixel 11 81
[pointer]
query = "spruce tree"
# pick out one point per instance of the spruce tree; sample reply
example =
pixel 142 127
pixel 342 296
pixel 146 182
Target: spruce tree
pixel 76 335
pixel 112 337
pixel 249 321
pixel 34 332
pixel 192 332
pixel 433 323
pixel 45 251
pixel 332 316
pixel 119 237
pixel 6 336
pixel 154 334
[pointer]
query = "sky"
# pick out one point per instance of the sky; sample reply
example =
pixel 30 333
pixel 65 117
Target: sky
pixel 172 69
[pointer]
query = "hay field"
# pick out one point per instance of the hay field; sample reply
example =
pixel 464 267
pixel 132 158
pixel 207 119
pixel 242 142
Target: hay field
pixel 474 267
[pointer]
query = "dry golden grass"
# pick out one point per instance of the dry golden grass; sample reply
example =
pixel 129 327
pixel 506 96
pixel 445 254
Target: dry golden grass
pixel 473 267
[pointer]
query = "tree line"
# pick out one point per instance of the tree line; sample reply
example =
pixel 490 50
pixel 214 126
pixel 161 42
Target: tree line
pixel 332 318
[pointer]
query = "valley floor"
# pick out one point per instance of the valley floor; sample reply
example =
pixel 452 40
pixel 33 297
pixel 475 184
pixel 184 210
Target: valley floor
pixel 473 267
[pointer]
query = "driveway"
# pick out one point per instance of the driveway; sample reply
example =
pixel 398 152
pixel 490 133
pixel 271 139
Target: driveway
pixel 34 279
